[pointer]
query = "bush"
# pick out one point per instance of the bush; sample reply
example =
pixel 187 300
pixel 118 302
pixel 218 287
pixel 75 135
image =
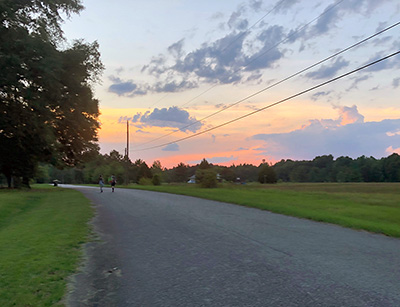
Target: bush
pixel 145 181
pixel 156 180
pixel 207 178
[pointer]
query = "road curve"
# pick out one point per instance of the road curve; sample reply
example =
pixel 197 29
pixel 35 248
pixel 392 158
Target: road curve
pixel 159 249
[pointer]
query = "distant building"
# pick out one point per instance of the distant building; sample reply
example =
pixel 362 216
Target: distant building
pixel 192 179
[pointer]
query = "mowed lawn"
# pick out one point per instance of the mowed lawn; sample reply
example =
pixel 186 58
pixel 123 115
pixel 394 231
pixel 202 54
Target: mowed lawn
pixel 374 207
pixel 41 232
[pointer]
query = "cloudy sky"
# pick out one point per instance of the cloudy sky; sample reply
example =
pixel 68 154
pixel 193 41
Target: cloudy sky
pixel 178 70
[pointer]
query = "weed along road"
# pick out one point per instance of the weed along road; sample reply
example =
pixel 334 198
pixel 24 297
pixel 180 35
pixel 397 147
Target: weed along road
pixel 157 249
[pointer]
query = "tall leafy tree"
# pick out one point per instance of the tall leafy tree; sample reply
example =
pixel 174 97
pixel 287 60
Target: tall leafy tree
pixel 47 109
pixel 180 173
pixel 266 174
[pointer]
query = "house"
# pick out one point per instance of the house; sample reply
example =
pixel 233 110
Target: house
pixel 192 179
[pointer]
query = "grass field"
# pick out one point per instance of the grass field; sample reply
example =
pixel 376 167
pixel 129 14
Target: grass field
pixel 41 232
pixel 374 207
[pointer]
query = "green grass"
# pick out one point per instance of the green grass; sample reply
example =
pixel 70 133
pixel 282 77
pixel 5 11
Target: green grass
pixel 41 232
pixel 374 207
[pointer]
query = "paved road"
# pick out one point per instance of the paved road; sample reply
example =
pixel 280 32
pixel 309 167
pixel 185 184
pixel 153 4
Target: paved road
pixel 166 250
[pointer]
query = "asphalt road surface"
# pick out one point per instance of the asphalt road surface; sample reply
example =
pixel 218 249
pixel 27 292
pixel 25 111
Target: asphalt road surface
pixel 156 249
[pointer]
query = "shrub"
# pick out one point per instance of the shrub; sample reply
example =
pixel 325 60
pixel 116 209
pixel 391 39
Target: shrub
pixel 156 180
pixel 145 181
pixel 207 178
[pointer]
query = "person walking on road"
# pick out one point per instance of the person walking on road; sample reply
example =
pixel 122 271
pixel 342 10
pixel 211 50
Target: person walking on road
pixel 101 183
pixel 113 182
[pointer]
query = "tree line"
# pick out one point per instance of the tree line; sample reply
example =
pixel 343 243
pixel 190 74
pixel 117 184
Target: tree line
pixel 343 169
pixel 320 169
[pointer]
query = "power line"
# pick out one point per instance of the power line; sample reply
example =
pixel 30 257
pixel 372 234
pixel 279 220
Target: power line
pixel 281 81
pixel 273 47
pixel 244 66
pixel 276 103
pixel 230 44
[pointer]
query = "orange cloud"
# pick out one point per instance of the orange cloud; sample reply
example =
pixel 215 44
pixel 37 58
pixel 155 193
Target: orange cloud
pixel 390 150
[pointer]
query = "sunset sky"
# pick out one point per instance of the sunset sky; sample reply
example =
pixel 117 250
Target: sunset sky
pixel 169 64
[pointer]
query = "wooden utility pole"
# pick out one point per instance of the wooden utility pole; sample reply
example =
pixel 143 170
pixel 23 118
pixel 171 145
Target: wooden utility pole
pixel 127 154
pixel 127 140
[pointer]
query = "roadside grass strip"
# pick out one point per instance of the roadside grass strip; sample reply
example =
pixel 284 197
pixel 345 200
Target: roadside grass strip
pixel 41 232
pixel 373 207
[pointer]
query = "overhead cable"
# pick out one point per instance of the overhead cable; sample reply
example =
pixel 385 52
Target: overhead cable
pixel 244 66
pixel 271 48
pixel 280 81
pixel 231 43
pixel 276 103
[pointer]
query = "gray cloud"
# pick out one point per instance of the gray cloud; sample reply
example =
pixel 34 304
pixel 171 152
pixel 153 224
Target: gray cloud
pixel 333 14
pixel 335 137
pixel 256 5
pixel 318 95
pixel 126 88
pixel 171 147
pixel 157 65
pixel 173 86
pixel 236 21
pixel 172 117
pixel 326 21
pixel 120 87
pixel 268 54
pixel 285 6
pixel 237 56
pixel 221 60
pixel 215 61
pixel 325 72
pixel 390 63
pixel 176 49
pixel 356 81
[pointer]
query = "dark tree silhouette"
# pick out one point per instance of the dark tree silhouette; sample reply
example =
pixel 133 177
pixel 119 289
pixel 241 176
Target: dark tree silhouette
pixel 47 109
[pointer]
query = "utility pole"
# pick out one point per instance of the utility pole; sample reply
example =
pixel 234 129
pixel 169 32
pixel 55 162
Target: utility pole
pixel 127 154
pixel 127 140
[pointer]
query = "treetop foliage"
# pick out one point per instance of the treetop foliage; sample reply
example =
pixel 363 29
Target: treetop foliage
pixel 47 109
pixel 40 18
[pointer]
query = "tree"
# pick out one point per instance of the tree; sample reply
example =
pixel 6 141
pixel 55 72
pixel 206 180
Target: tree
pixel 228 174
pixel 247 172
pixel 370 169
pixel 47 109
pixel 115 156
pixel 143 170
pixel 204 164
pixel 179 173
pixel 391 168
pixel 283 169
pixel 266 174
pixel 156 168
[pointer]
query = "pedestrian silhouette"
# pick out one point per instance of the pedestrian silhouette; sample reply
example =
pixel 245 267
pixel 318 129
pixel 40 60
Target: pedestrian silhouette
pixel 101 183
pixel 113 182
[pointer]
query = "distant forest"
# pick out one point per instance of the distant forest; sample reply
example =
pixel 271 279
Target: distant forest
pixel 320 169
